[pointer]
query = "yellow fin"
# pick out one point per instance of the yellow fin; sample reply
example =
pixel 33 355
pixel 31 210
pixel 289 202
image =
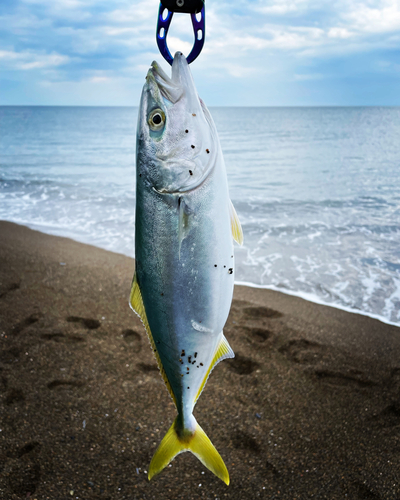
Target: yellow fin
pixel 136 304
pixel 236 227
pixel 198 443
pixel 223 351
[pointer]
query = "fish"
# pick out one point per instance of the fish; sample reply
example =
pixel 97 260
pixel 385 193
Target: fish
pixel 185 224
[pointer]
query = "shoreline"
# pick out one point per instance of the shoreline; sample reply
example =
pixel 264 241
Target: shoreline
pixel 308 408
pixel 315 300
pixel 303 295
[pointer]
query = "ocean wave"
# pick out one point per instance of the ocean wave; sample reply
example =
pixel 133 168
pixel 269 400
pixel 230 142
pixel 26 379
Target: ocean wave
pixel 316 190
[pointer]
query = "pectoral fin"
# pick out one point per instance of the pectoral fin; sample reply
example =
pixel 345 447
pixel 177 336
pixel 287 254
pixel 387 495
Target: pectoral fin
pixel 184 221
pixel 136 304
pixel 236 227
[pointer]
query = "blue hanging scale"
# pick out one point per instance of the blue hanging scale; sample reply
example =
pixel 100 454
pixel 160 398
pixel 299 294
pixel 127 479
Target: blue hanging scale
pixel 165 13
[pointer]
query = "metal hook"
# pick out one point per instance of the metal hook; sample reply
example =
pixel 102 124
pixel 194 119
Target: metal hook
pixel 162 31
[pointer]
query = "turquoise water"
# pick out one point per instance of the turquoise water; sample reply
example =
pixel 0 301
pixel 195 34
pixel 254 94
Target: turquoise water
pixel 317 191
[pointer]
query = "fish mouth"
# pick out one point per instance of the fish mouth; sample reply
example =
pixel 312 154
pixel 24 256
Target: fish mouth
pixel 181 81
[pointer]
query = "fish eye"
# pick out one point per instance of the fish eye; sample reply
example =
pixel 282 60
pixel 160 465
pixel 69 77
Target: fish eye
pixel 156 119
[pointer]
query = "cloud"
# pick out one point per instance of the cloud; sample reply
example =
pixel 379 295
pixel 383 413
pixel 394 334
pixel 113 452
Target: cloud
pixel 306 77
pixel 342 33
pixel 282 7
pixel 383 17
pixel 30 60
pixel 100 79
pixel 97 42
pixel 136 13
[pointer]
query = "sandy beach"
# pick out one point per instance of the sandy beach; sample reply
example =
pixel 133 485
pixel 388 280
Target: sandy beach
pixel 309 408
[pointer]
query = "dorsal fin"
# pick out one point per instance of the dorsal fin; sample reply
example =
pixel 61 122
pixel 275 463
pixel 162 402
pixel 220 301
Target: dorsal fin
pixel 223 351
pixel 136 304
pixel 236 227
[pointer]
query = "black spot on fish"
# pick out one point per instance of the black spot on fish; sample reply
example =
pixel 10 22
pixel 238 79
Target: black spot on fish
pixel 183 352
pixel 188 387
pixel 224 267
pixel 230 270
pixel 195 354
pixel 140 175
pixel 198 366
pixel 208 151
pixel 189 359
pixel 201 364
pixel 231 256
pixel 162 295
pixel 187 131
pixel 215 265
pixel 193 146
pixel 193 362
pixel 190 172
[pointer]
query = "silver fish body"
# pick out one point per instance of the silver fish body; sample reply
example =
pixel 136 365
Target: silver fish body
pixel 184 277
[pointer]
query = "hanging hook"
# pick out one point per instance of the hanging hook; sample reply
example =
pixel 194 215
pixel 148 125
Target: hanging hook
pixel 165 13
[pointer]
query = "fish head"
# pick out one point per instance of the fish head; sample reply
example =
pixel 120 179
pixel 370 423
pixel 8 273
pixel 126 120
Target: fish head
pixel 177 143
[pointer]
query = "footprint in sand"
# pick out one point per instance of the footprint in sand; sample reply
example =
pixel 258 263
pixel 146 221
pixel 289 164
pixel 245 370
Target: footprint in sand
pixel 352 378
pixel 60 337
pixel 243 441
pixel 302 351
pixel 261 312
pixel 133 338
pixel 24 450
pixel 14 396
pixel 55 384
pixel 259 335
pixel 89 323
pixel 10 288
pixel 390 416
pixel 30 320
pixel 242 365
pixel 146 368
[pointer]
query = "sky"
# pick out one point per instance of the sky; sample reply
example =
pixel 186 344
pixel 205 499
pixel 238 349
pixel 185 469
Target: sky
pixel 256 52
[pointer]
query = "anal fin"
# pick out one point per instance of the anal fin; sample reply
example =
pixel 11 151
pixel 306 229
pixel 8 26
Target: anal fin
pixel 223 351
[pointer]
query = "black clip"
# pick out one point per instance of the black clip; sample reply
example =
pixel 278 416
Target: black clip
pixel 165 13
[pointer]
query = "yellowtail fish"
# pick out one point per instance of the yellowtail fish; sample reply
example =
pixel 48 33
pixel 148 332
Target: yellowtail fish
pixel 183 283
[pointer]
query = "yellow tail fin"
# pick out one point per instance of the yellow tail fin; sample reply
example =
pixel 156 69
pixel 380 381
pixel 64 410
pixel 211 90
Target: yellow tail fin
pixel 198 443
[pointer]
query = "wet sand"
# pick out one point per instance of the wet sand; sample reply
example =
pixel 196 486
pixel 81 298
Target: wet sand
pixel 309 408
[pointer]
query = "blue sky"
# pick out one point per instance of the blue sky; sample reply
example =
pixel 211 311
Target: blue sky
pixel 257 53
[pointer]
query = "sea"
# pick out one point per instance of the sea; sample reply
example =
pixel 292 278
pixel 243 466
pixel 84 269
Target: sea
pixel 317 190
